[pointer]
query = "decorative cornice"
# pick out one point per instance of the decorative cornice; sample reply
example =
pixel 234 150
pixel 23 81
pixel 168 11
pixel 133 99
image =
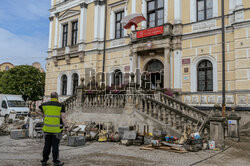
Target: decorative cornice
pixel 51 18
pixel 57 14
pixel 84 5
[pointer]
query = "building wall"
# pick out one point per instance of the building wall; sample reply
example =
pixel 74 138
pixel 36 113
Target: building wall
pixel 199 40
pixel 6 66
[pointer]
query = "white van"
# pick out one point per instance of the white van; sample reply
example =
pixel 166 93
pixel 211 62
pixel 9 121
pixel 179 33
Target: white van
pixel 12 103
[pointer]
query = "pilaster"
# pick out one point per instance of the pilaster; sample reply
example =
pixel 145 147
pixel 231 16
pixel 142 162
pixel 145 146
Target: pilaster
pixel 56 31
pixel 167 68
pixel 83 22
pixel 177 11
pixel 50 32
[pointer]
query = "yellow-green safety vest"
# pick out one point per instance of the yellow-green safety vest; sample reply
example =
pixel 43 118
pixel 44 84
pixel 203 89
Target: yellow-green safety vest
pixel 52 115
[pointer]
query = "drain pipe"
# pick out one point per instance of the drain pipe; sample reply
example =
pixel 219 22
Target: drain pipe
pixel 104 42
pixel 223 60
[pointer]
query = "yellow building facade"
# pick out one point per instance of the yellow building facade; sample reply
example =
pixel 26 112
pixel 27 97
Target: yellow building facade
pixel 6 66
pixel 182 38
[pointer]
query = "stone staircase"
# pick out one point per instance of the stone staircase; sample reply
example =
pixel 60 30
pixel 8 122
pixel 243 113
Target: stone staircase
pixel 165 111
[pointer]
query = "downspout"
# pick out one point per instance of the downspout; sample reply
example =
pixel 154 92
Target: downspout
pixel 104 43
pixel 223 60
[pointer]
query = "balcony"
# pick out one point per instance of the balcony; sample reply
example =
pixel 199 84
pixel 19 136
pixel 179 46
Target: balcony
pixel 165 30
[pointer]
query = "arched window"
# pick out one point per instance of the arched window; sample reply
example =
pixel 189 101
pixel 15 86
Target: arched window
pixel 64 81
pixel 117 77
pixel 205 76
pixel 74 82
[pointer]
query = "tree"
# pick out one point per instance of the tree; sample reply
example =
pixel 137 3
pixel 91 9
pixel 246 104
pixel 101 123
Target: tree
pixel 1 73
pixel 23 80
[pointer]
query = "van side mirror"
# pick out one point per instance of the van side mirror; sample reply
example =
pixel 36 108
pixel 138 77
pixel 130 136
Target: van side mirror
pixel 4 104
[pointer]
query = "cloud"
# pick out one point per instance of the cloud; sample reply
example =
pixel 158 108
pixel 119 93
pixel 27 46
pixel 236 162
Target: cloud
pixel 21 49
pixel 24 28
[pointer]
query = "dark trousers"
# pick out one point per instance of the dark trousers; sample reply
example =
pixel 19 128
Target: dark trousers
pixel 51 141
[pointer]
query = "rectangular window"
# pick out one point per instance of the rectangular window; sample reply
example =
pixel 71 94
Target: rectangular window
pixel 65 35
pixel 119 30
pixel 204 9
pixel 74 32
pixel 155 13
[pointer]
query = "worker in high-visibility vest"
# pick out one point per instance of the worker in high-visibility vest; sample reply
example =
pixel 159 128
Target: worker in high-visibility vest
pixel 54 116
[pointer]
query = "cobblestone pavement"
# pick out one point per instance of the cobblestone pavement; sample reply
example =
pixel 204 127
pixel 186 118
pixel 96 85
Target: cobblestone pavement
pixel 28 152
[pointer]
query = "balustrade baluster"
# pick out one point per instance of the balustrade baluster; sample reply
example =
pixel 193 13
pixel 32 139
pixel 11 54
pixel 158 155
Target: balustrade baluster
pixel 170 118
pixel 159 116
pixel 149 108
pixel 164 116
pixel 153 109
pixel 145 109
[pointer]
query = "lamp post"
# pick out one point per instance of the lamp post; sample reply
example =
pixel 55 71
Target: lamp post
pixel 223 60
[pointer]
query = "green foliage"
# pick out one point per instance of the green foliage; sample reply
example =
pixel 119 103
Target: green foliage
pixel 1 73
pixel 23 80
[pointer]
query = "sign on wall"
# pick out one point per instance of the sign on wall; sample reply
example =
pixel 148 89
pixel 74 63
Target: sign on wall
pixel 186 61
pixel 150 32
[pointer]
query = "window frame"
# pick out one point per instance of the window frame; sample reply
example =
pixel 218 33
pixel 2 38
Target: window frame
pixel 75 83
pixel 205 11
pixel 117 79
pixel 74 34
pixel 205 69
pixel 65 35
pixel 117 22
pixel 156 13
pixel 64 86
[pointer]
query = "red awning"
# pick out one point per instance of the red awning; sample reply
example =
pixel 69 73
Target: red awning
pixel 132 19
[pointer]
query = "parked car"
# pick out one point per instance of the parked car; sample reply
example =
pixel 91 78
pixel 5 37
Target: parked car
pixel 12 104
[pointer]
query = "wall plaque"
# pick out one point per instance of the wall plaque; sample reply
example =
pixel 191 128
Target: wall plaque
pixel 186 61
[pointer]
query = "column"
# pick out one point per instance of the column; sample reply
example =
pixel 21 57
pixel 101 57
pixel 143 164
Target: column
pixel 239 4
pixel 56 31
pixel 177 69
pixel 135 61
pixel 52 3
pixel 144 12
pixel 193 10
pixel 112 25
pixel 215 8
pixel 133 11
pixel 167 68
pixel 177 11
pixel 60 36
pixel 96 20
pixel 125 14
pixel 83 21
pixel 232 4
pixel 50 32
pixel 102 23
pixel 165 11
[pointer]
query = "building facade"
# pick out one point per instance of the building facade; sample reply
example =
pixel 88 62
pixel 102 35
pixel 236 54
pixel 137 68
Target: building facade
pixel 180 44
pixel 6 66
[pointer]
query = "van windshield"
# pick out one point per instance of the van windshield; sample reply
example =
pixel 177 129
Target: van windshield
pixel 16 103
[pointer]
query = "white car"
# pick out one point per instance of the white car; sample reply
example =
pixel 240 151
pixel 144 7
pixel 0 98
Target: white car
pixel 12 104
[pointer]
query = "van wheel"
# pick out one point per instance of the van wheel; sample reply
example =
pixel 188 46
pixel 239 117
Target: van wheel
pixel 6 118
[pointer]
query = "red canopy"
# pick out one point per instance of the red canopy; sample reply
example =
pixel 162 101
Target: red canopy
pixel 132 19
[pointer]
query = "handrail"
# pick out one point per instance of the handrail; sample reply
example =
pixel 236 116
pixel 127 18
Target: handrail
pixel 172 109
pixel 183 104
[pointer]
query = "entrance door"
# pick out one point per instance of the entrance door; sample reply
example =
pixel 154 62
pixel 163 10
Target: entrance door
pixel 155 69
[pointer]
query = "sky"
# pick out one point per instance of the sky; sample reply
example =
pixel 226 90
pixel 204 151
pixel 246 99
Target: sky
pixel 24 31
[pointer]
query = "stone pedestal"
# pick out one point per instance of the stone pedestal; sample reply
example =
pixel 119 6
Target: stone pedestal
pixel 233 125
pixel 217 128
pixel 80 89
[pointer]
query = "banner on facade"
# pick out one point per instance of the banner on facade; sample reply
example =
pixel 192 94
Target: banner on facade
pixel 150 32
